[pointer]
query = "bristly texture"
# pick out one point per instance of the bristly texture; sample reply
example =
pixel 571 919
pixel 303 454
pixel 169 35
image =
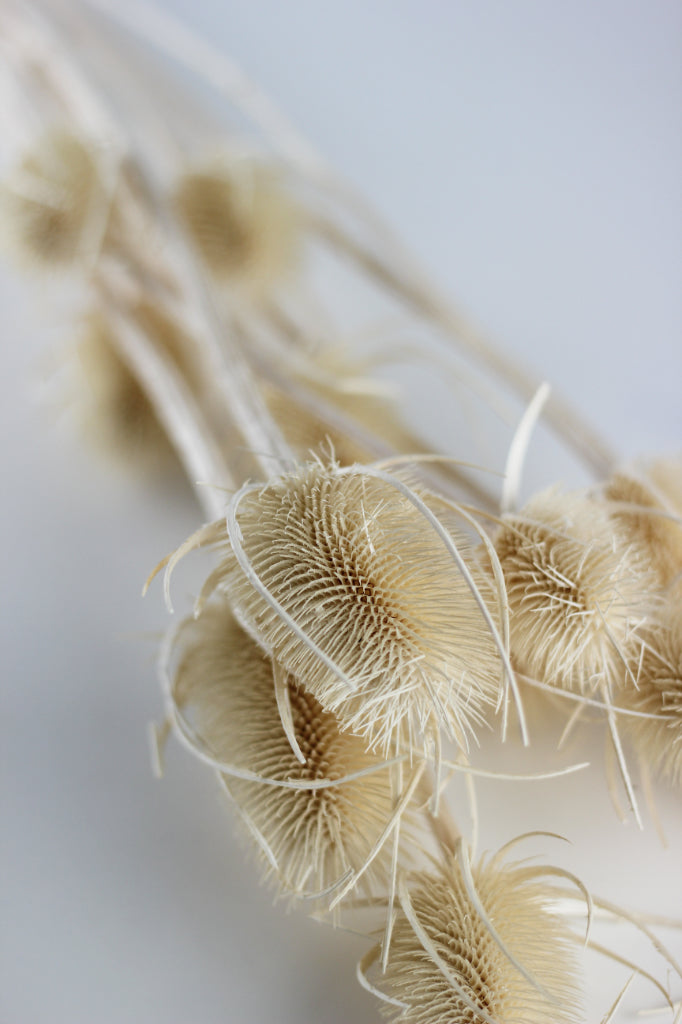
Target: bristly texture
pixel 369 581
pixel 655 521
pixel 116 413
pixel 225 683
pixel 578 592
pixel 241 221
pixel 659 692
pixel 49 200
pixel 517 901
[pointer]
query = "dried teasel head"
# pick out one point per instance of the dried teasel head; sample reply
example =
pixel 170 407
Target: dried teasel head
pixel 115 411
pixel 309 838
pixel 648 509
pixel 49 201
pixel 578 592
pixel 502 955
pixel 659 692
pixel 241 221
pixel 373 416
pixel 355 586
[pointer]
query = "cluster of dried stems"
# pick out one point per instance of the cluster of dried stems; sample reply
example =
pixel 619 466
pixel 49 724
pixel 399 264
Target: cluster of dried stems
pixel 373 605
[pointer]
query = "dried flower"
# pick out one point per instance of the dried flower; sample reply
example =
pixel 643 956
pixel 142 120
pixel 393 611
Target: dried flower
pixel 115 411
pixel 659 692
pixel 577 592
pixel 451 964
pixel 50 199
pixel 655 520
pixel 241 221
pixel 353 584
pixel 312 837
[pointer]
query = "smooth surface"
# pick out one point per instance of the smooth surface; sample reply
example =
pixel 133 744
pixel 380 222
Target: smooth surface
pixel 530 153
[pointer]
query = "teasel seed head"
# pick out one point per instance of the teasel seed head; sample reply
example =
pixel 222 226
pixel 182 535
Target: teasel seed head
pixel 114 409
pixel 241 221
pixel 655 520
pixel 659 692
pixel 460 971
pixel 50 198
pixel 346 581
pixel 225 683
pixel 578 591
pixel 307 431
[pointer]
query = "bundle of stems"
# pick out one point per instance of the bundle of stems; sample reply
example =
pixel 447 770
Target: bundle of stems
pixel 374 604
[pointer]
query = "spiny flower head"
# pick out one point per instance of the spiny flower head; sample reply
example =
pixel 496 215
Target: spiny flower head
pixel 49 200
pixel 387 632
pixel 115 410
pixel 225 681
pixel 241 221
pixel 474 972
pixel 578 592
pixel 654 521
pixel 659 692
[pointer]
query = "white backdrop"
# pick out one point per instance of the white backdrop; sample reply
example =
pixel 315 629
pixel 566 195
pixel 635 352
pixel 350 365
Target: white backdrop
pixel 530 153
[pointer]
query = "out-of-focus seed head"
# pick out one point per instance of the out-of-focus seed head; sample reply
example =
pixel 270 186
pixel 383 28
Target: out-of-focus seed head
pixel 369 581
pixel 656 499
pixel 243 224
pixel 578 592
pixel 518 902
pixel 115 412
pixel 225 682
pixel 49 200
pixel 659 692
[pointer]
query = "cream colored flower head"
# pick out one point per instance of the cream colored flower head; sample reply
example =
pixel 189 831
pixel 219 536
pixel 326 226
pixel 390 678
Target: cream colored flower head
pixel 659 692
pixel 451 964
pixel 239 217
pixel 648 508
pixel 578 591
pixel 354 590
pixel 115 413
pixel 309 838
pixel 50 199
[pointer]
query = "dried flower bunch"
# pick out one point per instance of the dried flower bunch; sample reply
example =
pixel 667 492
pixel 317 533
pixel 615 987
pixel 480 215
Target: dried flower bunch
pixel 375 611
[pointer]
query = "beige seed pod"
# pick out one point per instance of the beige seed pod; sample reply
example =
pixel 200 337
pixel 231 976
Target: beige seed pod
pixel 655 521
pixel 356 587
pixel 49 201
pixel 578 592
pixel 310 839
pixel 451 964
pixel 659 692
pixel 115 412
pixel 242 223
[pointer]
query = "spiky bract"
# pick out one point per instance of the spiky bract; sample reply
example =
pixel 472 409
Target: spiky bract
pixel 370 582
pixel 578 592
pixel 241 221
pixel 225 682
pixel 517 901
pixel 49 199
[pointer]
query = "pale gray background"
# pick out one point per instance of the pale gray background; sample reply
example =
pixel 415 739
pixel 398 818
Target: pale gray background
pixel 530 152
